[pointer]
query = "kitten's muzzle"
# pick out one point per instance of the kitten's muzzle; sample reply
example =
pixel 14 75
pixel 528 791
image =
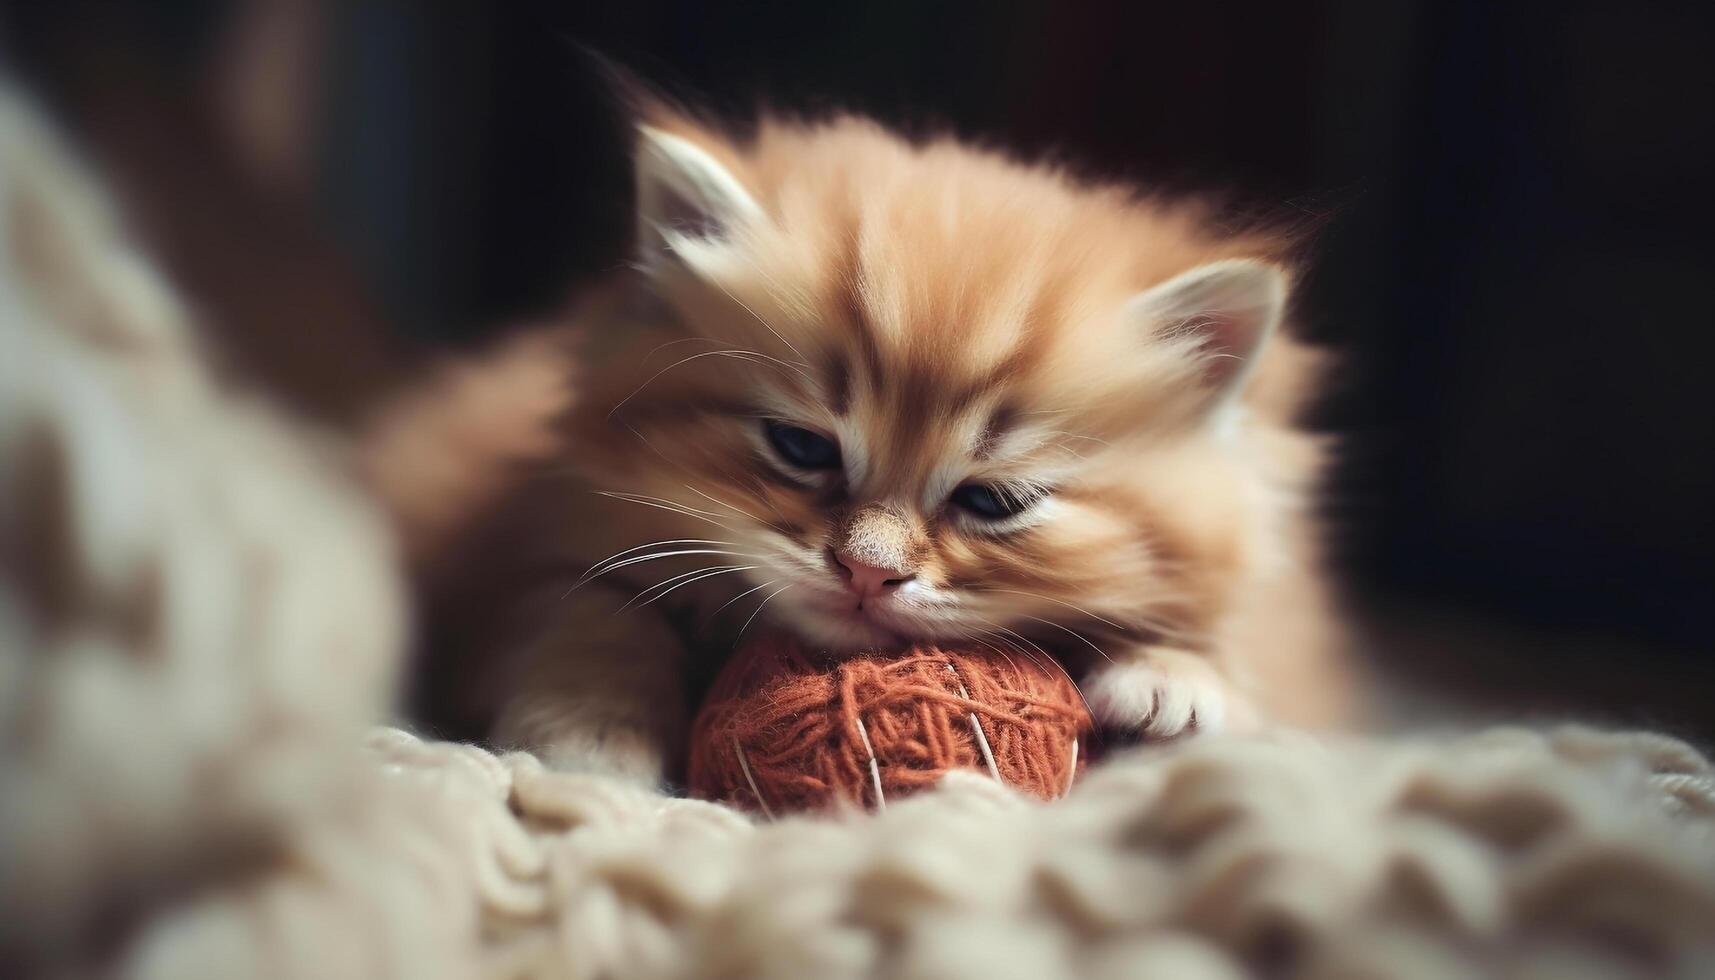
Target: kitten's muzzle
pixel 865 580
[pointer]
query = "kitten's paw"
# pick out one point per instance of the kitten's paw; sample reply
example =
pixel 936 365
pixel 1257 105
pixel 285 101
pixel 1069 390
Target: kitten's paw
pixel 569 737
pixel 616 753
pixel 1165 693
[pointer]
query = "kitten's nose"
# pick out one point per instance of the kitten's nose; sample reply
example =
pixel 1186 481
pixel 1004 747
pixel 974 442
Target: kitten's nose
pixel 866 580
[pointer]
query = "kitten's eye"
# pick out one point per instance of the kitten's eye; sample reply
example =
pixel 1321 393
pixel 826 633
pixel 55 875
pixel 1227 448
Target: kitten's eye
pixel 989 502
pixel 803 448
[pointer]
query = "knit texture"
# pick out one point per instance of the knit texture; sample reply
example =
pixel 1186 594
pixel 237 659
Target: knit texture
pixel 781 732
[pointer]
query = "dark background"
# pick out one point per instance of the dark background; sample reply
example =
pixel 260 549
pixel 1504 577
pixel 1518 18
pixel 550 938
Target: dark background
pixel 1514 251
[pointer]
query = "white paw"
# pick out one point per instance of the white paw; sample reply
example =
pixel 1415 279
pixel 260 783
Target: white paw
pixel 1162 694
pixel 618 754
pixel 565 736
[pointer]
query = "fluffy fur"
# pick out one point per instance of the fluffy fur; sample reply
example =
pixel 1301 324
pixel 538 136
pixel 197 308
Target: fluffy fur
pixel 948 318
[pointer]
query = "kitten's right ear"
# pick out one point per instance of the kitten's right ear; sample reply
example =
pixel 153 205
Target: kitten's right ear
pixel 685 198
pixel 1224 312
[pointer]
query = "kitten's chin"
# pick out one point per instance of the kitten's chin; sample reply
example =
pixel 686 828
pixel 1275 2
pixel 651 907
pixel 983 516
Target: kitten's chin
pixel 841 631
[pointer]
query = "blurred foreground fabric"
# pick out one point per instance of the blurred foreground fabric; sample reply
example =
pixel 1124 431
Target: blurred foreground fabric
pixel 201 623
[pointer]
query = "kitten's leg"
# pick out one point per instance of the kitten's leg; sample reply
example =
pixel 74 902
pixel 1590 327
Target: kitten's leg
pixel 589 689
pixel 1160 692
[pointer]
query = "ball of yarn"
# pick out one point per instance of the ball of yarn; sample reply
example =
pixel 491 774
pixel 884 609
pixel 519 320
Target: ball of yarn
pixel 784 730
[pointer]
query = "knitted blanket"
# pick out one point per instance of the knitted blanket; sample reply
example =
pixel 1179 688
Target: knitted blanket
pixel 1569 853
pixel 200 627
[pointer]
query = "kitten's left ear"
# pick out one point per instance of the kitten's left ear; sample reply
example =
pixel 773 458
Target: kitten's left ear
pixel 1225 311
pixel 685 197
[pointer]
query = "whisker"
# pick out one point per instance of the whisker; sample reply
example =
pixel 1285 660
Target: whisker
pixel 975 637
pixel 1056 665
pixel 1020 637
pixel 762 495
pixel 675 343
pixel 669 506
pixel 653 557
pixel 759 606
pixel 722 607
pixel 1061 602
pixel 673 554
pixel 778 527
pixel 665 501
pixel 712 500
pixel 765 324
pixel 1081 637
pixel 736 354
pixel 655 544
pixel 688 577
pixel 651 446
pixel 997 637
pixel 676 464
pixel 667 582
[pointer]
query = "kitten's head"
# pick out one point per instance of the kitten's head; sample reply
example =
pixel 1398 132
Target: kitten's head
pixel 923 392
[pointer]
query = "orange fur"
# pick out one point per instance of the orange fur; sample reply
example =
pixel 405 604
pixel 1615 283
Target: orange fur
pixel 947 316
pixel 449 446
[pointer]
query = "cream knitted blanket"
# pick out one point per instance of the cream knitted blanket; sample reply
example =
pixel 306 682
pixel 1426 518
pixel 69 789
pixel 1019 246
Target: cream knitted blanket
pixel 200 620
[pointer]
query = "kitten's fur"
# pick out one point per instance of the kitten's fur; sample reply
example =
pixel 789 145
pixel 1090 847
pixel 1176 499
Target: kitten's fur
pixel 949 317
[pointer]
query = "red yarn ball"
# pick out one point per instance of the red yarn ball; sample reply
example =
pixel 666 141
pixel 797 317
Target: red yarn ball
pixel 783 730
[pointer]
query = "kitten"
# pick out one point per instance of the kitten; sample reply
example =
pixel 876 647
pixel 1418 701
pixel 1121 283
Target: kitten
pixel 874 391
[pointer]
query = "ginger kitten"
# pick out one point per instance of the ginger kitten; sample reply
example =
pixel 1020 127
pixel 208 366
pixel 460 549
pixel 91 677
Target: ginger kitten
pixel 874 391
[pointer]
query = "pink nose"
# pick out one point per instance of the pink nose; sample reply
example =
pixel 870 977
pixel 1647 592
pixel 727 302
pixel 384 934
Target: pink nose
pixel 868 580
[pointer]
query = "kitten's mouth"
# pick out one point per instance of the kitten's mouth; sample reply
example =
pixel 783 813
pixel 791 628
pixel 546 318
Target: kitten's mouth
pixel 848 626
pixel 866 629
pixel 858 616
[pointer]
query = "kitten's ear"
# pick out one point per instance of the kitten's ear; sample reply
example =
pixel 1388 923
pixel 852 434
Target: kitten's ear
pixel 1224 311
pixel 685 196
